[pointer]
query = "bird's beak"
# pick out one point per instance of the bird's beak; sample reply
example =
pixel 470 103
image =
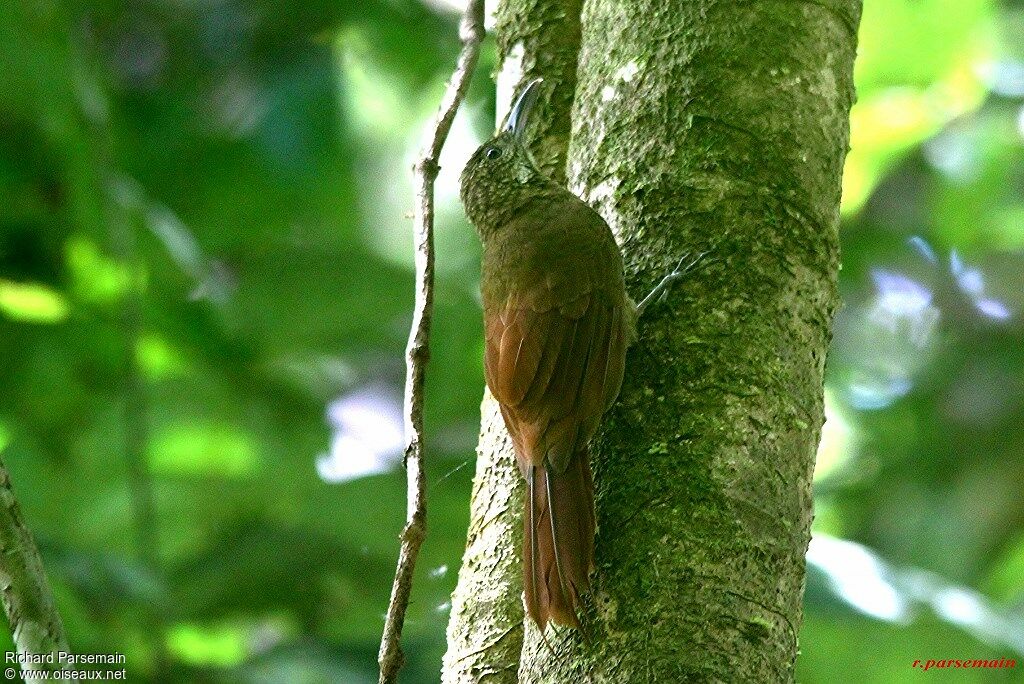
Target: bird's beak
pixel 521 109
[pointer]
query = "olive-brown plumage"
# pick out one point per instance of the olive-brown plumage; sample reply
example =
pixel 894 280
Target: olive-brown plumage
pixel 557 323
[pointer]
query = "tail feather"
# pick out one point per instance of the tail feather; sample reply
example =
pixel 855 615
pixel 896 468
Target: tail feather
pixel 558 550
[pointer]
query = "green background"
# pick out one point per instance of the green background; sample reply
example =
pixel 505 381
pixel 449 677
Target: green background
pixel 205 266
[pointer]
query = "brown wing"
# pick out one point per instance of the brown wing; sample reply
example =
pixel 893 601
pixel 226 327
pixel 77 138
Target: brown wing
pixel 554 369
pixel 557 323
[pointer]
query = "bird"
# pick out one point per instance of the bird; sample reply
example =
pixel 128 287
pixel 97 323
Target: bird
pixel 557 324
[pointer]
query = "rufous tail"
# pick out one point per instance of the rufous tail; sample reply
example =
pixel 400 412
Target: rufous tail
pixel 558 552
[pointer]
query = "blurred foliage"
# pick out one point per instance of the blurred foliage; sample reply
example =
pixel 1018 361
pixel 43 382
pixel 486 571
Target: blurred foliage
pixel 205 257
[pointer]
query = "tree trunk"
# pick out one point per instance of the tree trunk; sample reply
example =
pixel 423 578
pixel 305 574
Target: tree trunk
pixel 696 125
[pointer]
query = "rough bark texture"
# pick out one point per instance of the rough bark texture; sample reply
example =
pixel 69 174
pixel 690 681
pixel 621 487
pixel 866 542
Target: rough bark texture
pixel 485 630
pixel 698 124
pixel 541 39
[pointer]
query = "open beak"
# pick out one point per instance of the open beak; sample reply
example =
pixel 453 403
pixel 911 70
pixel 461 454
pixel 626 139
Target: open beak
pixel 521 109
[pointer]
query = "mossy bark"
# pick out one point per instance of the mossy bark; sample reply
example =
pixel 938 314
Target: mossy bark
pixel 697 126
pixel 541 39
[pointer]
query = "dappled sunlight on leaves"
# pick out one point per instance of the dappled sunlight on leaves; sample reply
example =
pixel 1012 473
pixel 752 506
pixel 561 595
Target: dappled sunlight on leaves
pixel 838 440
pixel 213 450
pixel 865 582
pixel 919 66
pixel 32 302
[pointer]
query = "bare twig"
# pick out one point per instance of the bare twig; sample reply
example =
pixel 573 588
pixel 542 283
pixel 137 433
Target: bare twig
pixel 471 32
pixel 36 626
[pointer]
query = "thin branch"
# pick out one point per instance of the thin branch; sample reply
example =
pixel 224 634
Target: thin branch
pixel 471 33
pixel 36 626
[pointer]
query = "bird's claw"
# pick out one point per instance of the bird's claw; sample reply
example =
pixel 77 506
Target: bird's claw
pixel 660 291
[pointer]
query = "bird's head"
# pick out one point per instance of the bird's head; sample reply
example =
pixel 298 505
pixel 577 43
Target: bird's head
pixel 501 174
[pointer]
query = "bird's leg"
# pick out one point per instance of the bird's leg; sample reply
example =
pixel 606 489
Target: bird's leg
pixel 661 289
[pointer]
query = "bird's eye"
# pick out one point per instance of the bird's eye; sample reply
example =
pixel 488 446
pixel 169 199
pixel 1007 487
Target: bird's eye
pixel 493 152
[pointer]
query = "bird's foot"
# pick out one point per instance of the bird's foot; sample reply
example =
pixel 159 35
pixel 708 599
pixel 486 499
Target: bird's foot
pixel 685 265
